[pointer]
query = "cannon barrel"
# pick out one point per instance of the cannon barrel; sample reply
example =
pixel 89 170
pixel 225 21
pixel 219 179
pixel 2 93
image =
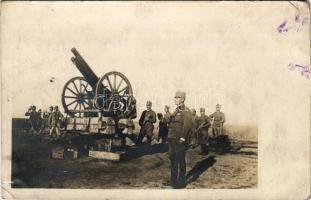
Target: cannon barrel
pixel 84 68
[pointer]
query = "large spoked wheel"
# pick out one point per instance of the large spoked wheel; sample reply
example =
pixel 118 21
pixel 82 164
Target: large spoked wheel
pixel 77 97
pixel 113 92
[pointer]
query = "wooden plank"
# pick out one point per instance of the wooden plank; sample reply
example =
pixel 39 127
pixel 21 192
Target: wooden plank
pixel 105 155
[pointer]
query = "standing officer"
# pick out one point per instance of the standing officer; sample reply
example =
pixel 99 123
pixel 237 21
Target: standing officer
pixel 54 121
pixel 179 129
pixel 204 123
pixel 219 120
pixel 146 121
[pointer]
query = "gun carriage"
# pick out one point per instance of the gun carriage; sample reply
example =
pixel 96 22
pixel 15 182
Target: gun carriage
pixel 98 105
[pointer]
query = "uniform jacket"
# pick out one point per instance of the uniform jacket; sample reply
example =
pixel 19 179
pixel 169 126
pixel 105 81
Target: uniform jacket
pixel 147 118
pixel 167 118
pixel 204 121
pixel 195 121
pixel 32 115
pixel 55 118
pixel 180 123
pixel 219 118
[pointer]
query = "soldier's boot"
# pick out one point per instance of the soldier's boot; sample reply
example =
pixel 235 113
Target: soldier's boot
pixel 149 138
pixel 182 175
pixel 174 174
pixel 206 150
pixel 202 149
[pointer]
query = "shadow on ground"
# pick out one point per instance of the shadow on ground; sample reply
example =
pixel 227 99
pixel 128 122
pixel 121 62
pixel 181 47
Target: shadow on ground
pixel 136 152
pixel 200 168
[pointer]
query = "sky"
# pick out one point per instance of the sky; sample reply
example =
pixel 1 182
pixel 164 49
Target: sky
pixel 213 54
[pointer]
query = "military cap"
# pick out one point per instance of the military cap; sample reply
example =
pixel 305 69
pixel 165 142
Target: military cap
pixel 218 105
pixel 55 106
pixel 180 94
pixel 193 110
pixel 166 106
pixel 39 110
pixel 202 109
pixel 149 103
pixel 51 107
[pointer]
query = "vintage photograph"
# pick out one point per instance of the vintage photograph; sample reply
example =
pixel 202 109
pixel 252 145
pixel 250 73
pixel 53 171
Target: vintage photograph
pixel 145 95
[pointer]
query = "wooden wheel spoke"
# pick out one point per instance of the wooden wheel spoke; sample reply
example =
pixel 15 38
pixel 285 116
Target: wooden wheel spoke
pixel 83 105
pixel 76 106
pixel 114 81
pixel 70 97
pixel 84 100
pixel 72 103
pixel 109 83
pixel 75 86
pixel 80 86
pixel 85 87
pixel 72 91
pixel 119 84
pixel 123 89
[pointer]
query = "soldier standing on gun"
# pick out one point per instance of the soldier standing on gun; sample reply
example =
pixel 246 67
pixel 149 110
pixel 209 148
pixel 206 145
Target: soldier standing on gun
pixel 204 123
pixel 219 120
pixel 54 121
pixel 32 119
pixel 179 129
pixel 146 121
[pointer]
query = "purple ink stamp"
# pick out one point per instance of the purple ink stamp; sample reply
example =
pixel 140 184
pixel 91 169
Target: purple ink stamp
pixel 282 28
pixel 304 70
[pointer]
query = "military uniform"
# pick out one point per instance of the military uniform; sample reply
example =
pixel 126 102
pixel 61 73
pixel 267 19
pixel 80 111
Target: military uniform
pixel 193 138
pixel 204 123
pixel 219 119
pixel 146 121
pixel 32 119
pixel 163 129
pixel 54 121
pixel 179 129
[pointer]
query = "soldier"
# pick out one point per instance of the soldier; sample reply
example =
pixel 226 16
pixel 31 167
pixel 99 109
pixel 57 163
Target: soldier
pixel 32 119
pixel 54 121
pixel 146 121
pixel 219 120
pixel 179 129
pixel 167 115
pixel 163 129
pixel 204 123
pixel 193 137
pixel 39 120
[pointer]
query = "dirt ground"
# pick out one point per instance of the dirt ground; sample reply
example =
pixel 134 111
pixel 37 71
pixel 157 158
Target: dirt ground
pixel 146 167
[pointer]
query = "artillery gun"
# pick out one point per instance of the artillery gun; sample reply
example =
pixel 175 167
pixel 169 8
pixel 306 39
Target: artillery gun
pixel 98 106
pixel 110 96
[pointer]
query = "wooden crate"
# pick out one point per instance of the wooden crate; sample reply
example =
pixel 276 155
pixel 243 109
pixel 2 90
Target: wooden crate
pixel 58 152
pixel 70 123
pixel 82 123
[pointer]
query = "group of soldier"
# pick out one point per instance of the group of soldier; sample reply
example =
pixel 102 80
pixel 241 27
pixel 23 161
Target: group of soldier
pixel 39 120
pixel 181 128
